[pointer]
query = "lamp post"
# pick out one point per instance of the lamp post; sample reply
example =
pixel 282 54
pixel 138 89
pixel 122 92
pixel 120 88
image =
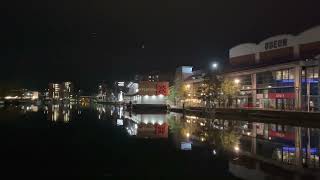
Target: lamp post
pixel 236 82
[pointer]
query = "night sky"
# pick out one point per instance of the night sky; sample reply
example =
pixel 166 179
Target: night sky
pixel 88 41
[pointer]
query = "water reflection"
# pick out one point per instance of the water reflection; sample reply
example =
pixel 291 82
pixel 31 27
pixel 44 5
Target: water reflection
pixel 147 125
pixel 29 108
pixel 59 112
pixel 255 147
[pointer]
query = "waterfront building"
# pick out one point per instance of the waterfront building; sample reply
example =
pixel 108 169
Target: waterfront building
pixel 151 93
pixel 188 81
pixel 61 91
pixel 22 94
pixel 102 95
pixel 154 76
pixel 280 72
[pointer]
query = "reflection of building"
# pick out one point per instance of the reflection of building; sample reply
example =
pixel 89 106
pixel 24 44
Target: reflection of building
pixel 149 125
pixel 62 91
pixel 59 112
pixel 281 72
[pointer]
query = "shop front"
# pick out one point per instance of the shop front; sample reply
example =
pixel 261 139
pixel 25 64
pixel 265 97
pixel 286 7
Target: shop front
pixel 281 101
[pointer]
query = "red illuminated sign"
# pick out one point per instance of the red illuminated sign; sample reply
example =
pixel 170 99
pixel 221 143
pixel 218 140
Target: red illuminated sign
pixel 153 88
pixel 282 135
pixel 281 96
pixel 163 88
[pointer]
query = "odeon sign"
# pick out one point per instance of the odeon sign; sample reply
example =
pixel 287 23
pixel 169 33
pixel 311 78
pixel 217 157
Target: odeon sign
pixel 276 44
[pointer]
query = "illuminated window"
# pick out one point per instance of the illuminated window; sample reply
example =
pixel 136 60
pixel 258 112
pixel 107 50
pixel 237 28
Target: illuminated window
pixel 291 73
pixel 278 75
pixel 310 73
pixel 285 74
pixel 303 73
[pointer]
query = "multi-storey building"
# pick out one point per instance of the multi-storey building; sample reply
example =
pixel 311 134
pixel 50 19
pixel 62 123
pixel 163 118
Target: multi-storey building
pixel 281 72
pixel 189 81
pixel 61 91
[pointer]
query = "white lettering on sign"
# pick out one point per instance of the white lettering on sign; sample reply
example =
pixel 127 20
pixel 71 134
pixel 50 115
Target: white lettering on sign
pixel 276 44
pixel 280 95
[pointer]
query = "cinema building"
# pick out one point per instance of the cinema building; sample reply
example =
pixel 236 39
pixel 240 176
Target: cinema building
pixel 281 72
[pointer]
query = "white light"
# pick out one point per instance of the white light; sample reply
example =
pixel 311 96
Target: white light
pixel 214 152
pixel 188 135
pixel 248 133
pixel 237 81
pixel 236 148
pixel 269 86
pixel 120 84
pixel 214 65
pixel 203 139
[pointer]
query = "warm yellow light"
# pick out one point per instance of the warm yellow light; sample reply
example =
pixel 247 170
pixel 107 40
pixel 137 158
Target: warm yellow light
pixel 237 81
pixel 236 148
pixel 203 139
pixel 188 86
pixel 188 135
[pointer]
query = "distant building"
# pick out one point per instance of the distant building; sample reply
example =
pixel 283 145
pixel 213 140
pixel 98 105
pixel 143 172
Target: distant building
pixel 102 92
pixel 154 76
pixel 190 81
pixel 22 94
pixel 61 91
pixel 151 93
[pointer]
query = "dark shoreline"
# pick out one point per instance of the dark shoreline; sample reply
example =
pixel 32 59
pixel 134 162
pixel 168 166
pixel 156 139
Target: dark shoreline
pixel 304 119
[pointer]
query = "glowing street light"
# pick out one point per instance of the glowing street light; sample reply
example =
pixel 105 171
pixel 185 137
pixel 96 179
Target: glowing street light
pixel 214 65
pixel 237 81
pixel 188 135
pixel 236 148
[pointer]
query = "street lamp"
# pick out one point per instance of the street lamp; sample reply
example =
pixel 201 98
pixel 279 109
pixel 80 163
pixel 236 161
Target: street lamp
pixel 214 65
pixel 236 81
pixel 188 135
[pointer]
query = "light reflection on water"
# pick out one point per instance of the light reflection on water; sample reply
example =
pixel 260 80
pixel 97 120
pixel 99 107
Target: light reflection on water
pixel 281 145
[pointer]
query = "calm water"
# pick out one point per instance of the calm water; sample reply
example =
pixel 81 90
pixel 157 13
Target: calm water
pixel 106 141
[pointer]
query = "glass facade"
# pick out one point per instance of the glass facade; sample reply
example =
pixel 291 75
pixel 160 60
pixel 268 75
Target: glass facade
pixel 275 89
pixel 310 88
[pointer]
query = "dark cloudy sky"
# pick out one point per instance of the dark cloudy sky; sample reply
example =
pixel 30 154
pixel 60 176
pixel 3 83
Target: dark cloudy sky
pixel 90 40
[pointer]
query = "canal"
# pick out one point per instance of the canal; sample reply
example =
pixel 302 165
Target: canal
pixel 106 141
